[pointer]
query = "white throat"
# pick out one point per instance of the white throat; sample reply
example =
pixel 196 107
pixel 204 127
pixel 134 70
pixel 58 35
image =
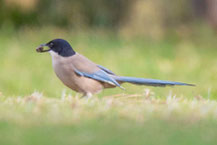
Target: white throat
pixel 53 54
pixel 55 57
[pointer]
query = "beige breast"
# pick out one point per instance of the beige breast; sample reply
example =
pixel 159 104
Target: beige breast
pixel 64 69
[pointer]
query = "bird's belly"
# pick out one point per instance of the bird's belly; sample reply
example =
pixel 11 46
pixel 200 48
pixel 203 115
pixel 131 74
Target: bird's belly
pixel 77 83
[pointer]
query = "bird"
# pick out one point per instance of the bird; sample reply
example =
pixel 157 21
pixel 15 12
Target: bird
pixel 84 76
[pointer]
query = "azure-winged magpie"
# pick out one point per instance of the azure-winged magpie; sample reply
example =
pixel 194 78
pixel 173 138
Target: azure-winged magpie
pixel 84 76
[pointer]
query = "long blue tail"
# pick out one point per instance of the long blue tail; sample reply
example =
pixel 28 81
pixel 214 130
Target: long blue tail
pixel 149 82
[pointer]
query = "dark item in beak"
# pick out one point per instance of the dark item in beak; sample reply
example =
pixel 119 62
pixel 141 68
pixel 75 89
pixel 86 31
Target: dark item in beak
pixel 40 49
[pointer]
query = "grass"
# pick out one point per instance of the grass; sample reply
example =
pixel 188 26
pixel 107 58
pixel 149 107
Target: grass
pixel 138 115
pixel 120 119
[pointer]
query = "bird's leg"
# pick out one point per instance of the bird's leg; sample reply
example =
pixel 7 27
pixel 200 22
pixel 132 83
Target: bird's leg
pixel 87 95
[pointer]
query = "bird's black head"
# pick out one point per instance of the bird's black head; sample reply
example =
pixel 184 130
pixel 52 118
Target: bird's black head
pixel 59 46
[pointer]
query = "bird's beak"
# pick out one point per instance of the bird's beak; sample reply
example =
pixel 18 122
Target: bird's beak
pixel 41 49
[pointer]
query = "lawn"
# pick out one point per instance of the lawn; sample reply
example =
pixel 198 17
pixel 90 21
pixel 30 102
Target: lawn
pixel 119 119
pixel 36 108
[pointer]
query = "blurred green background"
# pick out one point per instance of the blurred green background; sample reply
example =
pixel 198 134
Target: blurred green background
pixel 168 40
pixel 160 39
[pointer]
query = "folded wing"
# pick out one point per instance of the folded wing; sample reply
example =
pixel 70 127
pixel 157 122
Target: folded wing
pixel 99 75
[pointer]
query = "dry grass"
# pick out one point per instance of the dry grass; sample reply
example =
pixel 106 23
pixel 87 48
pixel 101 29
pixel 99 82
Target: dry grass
pixel 136 107
pixel 119 120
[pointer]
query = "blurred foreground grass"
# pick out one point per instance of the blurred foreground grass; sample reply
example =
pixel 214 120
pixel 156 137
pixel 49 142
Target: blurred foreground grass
pixel 181 57
pixel 116 120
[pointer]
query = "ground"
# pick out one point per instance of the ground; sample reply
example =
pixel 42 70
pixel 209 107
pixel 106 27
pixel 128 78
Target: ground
pixel 119 119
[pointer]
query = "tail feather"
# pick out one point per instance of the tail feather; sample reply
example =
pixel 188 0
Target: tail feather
pixel 149 82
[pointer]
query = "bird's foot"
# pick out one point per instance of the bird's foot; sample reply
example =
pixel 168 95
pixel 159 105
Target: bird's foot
pixel 87 95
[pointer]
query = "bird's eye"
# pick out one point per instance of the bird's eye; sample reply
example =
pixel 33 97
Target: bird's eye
pixel 51 44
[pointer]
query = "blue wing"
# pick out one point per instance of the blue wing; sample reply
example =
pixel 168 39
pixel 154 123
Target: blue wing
pixel 105 69
pixel 100 76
